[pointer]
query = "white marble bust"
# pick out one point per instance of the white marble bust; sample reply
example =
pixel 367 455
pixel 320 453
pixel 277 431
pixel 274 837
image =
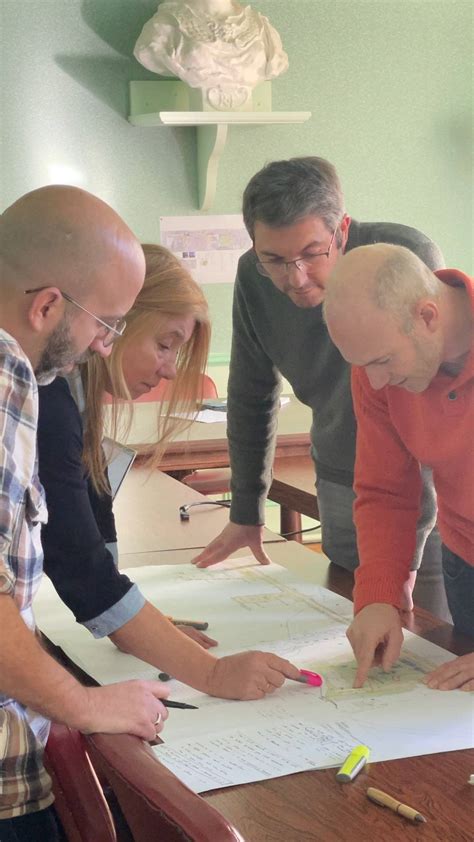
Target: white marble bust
pixel 219 46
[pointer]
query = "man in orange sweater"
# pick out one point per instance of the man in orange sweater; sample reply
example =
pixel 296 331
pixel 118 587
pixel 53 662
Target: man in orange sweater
pixel 408 332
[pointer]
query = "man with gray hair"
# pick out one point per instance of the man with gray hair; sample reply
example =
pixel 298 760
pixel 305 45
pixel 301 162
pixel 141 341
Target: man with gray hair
pixel 294 212
pixel 70 270
pixel 409 334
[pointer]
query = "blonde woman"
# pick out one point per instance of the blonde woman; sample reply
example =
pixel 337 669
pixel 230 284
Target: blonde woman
pixel 167 336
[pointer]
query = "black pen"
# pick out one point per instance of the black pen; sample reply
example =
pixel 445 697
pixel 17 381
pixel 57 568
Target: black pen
pixel 168 703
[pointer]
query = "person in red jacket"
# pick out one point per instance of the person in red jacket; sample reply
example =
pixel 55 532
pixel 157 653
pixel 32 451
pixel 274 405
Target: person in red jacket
pixel 408 332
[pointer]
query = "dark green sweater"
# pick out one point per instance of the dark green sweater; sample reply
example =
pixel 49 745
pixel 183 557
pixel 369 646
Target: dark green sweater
pixel 274 337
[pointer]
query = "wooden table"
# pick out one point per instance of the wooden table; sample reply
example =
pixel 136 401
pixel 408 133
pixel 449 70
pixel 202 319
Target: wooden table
pixel 313 806
pixel 147 517
pixel 293 487
pixel 205 445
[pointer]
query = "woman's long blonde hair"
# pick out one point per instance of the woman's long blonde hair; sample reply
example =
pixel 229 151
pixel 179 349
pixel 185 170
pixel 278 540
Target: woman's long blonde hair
pixel 168 292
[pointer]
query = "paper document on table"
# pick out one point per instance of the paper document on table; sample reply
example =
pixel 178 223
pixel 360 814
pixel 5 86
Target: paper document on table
pixel 207 416
pixel 268 608
pixel 254 754
pixel 214 416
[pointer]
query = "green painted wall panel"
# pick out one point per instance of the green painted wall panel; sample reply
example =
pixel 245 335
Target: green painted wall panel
pixel 388 81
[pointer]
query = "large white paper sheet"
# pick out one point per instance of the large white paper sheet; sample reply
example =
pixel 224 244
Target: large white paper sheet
pixel 299 727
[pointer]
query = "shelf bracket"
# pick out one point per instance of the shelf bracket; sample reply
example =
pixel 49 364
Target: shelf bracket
pixel 167 103
pixel 210 146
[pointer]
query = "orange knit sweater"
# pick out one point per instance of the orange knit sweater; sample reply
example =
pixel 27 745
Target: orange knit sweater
pixel 397 430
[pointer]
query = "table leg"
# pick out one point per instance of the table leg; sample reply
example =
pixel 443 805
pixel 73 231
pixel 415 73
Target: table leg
pixel 290 521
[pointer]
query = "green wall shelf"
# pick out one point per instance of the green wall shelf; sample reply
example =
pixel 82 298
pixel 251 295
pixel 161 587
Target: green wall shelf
pixel 169 103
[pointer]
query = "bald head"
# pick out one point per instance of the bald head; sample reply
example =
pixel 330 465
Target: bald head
pixel 60 235
pixel 383 276
pixel 60 243
pixel 383 309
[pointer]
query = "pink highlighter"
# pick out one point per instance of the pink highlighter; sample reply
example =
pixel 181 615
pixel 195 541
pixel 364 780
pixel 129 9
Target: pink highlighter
pixel 309 677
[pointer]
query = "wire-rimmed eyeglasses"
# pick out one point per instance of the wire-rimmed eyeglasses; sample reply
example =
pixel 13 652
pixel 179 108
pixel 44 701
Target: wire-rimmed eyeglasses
pixel 108 334
pixel 279 268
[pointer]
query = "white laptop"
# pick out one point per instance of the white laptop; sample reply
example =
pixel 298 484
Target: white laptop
pixel 119 461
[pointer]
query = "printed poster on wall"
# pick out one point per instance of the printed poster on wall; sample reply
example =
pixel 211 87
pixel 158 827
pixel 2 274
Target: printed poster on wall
pixel 208 246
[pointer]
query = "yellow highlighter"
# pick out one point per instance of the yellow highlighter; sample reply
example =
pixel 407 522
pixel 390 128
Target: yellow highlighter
pixel 354 763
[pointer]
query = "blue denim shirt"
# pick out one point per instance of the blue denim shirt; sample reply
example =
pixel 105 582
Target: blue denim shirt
pixel 113 618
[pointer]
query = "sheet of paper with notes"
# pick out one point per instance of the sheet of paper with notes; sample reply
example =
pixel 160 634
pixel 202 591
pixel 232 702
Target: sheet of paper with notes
pixel 299 727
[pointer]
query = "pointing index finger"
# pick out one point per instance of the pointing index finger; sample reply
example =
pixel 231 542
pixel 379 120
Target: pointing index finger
pixel 284 667
pixel 364 662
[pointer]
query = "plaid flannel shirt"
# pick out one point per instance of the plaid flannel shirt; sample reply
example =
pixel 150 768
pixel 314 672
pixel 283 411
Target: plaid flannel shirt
pixel 25 786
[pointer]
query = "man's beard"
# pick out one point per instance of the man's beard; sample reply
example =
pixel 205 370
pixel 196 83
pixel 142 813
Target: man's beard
pixel 58 354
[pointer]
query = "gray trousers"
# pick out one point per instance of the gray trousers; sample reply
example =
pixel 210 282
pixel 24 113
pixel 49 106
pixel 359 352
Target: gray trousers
pixel 459 584
pixel 340 545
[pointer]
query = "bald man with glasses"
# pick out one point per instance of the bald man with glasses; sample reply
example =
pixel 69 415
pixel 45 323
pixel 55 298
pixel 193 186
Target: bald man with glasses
pixel 50 234
pixel 295 214
pixel 108 331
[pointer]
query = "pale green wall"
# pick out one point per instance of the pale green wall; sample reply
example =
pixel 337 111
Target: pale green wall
pixel 388 82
